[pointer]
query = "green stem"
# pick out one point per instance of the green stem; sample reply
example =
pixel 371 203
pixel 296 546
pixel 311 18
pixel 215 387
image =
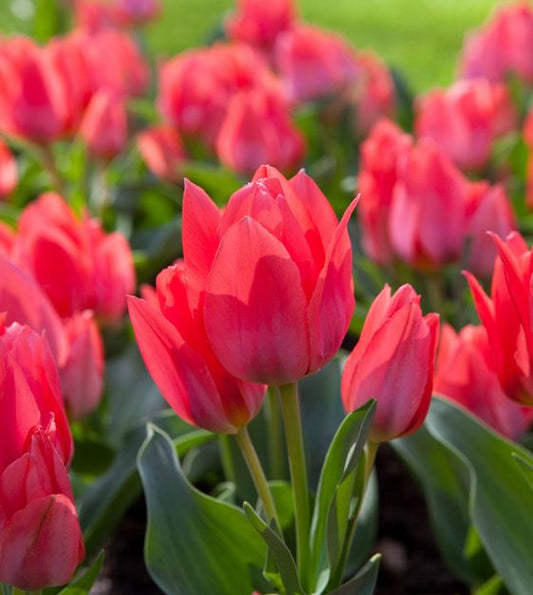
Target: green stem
pixel 434 293
pixel 290 407
pixel 256 471
pixel 226 458
pixel 275 436
pixel 49 164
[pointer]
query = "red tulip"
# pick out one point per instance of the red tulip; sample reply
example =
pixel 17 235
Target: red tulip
pixel 427 222
pixel 77 265
pixel 393 363
pixel 8 171
pixel 381 154
pixel 285 315
pixel 464 374
pixel 104 127
pixel 7 239
pixel 41 543
pixel 259 23
pixel 162 150
pixel 466 119
pixel 82 374
pixel 175 348
pixel 313 63
pixel 505 317
pixel 135 13
pixel 258 129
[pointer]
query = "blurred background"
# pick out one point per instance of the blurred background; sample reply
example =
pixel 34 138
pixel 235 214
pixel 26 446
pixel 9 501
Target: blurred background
pixel 420 37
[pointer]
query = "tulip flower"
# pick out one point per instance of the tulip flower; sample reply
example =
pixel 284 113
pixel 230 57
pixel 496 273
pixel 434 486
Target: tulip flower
pixel 505 317
pixel 7 239
pixel 41 543
pixel 381 154
pixel 464 374
pixel 286 313
pixel 8 171
pixel 260 23
pixel 313 63
pixel 135 13
pixel 162 150
pixel 393 363
pixel 76 263
pixel 466 119
pixel 242 145
pixel 104 127
pixel 175 348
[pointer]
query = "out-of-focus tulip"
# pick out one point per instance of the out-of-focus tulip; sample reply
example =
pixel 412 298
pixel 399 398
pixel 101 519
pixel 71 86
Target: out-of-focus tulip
pixel 258 129
pixel 285 315
pixel 92 15
pixel 7 239
pixel 30 394
pixel 528 139
pixel 135 13
pixel 427 221
pixel 33 97
pixel 259 23
pixel 173 342
pixel 41 542
pixel 466 119
pixel 313 63
pixel 488 209
pixel 464 374
pixel 502 46
pixel 75 262
pixel 381 154
pixel 82 374
pixel 393 363
pixel 197 86
pixel 505 317
pixel 8 171
pixel 95 15
pixel 104 127
pixel 162 150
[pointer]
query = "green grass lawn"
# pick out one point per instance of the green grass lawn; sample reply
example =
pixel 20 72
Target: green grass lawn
pixel 421 37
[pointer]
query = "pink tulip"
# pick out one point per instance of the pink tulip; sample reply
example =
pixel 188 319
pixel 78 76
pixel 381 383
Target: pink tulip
pixel 286 313
pixel 427 221
pixel 175 348
pixel 464 374
pixel 104 127
pixel 82 374
pixel 162 150
pixel 393 363
pixel 259 23
pixel 258 129
pixel 313 63
pixel 7 239
pixel 8 171
pixel 381 154
pixel 528 139
pixel 41 543
pixel 135 13
pixel 76 263
pixel 466 119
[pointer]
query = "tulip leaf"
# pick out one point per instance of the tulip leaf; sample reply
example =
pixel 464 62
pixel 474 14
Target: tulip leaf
pixel 364 582
pixel 340 487
pixel 82 585
pixel 494 586
pixel 527 469
pixel 285 574
pixel 194 543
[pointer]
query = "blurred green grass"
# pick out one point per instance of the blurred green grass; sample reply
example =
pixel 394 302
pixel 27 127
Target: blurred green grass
pixel 420 37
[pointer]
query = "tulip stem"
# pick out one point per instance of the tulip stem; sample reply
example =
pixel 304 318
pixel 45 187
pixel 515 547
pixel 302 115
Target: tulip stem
pixel 49 164
pixel 256 471
pixel 275 437
pixel 290 407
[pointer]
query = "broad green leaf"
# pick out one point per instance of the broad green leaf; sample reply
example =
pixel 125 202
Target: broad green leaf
pixel 82 585
pixel 500 496
pixel 364 582
pixel 194 543
pixel 493 586
pixel 286 573
pixel 527 469
pixel 283 499
pixel 337 486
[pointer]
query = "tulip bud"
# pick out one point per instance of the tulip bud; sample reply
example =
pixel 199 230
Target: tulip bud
pixel 393 363
pixel 162 150
pixel 8 171
pixel 464 374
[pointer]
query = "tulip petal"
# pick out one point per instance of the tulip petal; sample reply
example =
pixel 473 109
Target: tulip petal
pixel 256 309
pixel 180 373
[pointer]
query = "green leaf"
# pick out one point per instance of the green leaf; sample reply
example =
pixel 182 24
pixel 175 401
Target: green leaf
pixel 82 585
pixel 500 496
pixel 527 469
pixel 364 582
pixel 494 586
pixel 283 499
pixel 287 573
pixel 341 481
pixel 194 544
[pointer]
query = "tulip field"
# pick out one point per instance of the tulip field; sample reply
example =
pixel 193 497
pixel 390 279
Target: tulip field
pixel 266 297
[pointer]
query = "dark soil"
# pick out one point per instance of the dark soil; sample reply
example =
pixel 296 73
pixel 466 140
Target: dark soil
pixel 411 563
